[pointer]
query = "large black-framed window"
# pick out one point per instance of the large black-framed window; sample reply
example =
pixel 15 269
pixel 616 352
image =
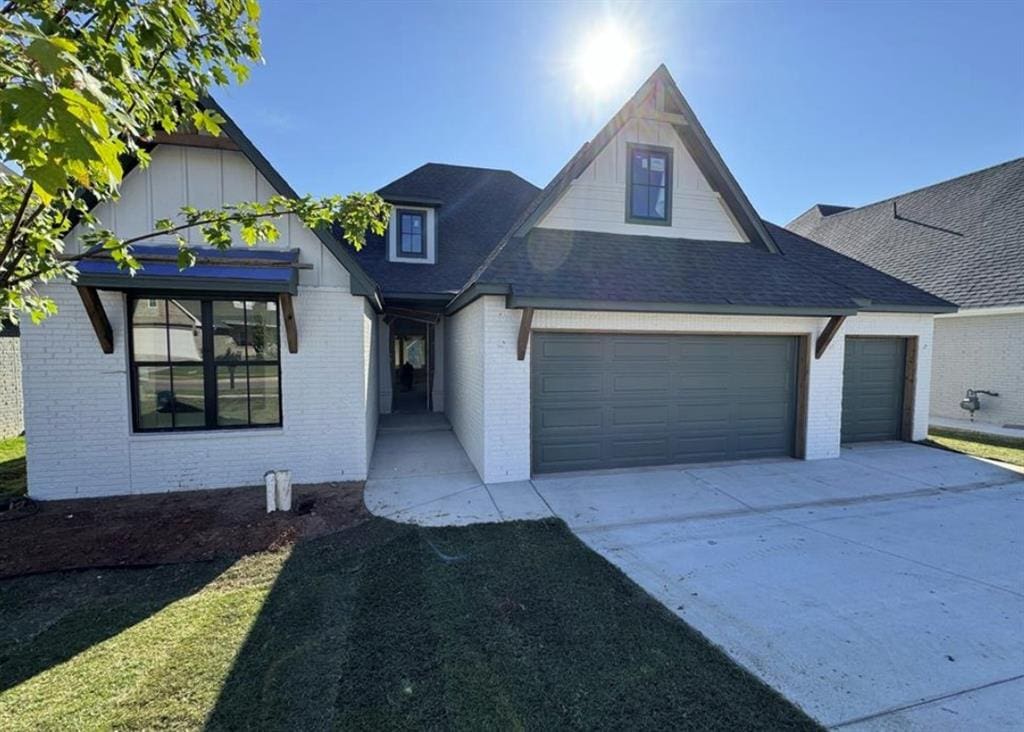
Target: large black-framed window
pixel 649 185
pixel 204 363
pixel 412 233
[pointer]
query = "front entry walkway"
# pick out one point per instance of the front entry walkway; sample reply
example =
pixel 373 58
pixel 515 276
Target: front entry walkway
pixel 420 474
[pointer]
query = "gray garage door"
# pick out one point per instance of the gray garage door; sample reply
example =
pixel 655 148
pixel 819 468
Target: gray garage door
pixel 873 389
pixel 604 401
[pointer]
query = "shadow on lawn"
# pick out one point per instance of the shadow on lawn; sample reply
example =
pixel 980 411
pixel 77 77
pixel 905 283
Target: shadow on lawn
pixel 490 626
pixel 49 618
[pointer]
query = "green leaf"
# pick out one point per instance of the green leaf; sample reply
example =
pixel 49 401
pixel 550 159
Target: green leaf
pixel 47 180
pixel 51 53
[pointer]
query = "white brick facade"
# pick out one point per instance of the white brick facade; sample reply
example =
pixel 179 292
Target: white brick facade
pixel 489 391
pixel 11 413
pixel 980 352
pixel 464 343
pixel 78 411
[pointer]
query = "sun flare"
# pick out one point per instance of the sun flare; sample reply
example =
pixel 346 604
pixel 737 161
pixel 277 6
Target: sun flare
pixel 604 58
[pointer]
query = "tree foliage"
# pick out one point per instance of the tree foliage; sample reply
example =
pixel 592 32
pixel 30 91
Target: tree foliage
pixel 84 86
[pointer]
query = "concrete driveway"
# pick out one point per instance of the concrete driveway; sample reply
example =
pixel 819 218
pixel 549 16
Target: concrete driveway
pixel 883 590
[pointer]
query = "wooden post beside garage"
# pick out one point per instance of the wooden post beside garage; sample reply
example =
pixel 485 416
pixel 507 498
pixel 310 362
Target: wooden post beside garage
pixel 909 388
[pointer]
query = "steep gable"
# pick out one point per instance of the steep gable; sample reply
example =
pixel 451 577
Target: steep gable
pixel 657 107
pixel 208 172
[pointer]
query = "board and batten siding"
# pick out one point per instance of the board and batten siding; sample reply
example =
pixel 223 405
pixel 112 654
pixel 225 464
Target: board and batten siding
pixel 206 178
pixel 596 200
pixel 78 414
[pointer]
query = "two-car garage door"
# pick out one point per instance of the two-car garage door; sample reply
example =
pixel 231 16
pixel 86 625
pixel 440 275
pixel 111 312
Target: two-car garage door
pixel 612 400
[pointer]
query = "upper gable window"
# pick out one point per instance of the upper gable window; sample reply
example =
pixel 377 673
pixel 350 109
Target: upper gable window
pixel 412 233
pixel 649 186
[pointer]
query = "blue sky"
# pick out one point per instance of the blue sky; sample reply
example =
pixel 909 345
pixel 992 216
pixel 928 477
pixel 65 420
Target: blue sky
pixel 807 102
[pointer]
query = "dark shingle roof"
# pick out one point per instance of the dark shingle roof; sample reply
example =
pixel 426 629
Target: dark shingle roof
pixel 962 239
pixel 477 207
pixel 609 268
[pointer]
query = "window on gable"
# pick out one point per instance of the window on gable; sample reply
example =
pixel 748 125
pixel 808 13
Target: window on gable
pixel 649 188
pixel 204 364
pixel 412 233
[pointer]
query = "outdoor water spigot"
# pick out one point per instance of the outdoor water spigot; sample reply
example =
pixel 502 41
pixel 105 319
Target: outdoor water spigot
pixel 971 402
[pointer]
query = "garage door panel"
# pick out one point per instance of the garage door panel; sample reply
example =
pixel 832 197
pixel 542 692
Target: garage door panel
pixel 570 416
pixel 636 416
pixel 641 349
pixel 571 384
pixel 873 375
pixel 640 385
pixel 643 450
pixel 582 349
pixel 665 399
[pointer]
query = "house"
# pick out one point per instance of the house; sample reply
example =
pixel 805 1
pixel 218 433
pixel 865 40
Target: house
pixel 636 311
pixel 12 422
pixel 962 240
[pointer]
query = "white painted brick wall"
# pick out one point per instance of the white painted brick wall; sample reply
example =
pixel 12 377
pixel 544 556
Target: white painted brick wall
pixel 78 412
pixel 464 379
pixel 489 406
pixel 370 375
pixel 12 420
pixel 980 352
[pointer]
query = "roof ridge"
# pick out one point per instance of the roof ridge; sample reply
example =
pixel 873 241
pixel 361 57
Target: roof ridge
pixel 898 196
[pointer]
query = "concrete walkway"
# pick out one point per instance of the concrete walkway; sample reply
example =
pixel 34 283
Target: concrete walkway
pixel 420 474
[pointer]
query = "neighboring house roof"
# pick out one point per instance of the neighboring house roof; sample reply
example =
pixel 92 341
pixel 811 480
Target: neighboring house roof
pixel 560 268
pixel 962 239
pixel 475 208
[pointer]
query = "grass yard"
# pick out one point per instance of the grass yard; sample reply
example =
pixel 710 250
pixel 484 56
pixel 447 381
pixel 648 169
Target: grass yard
pixel 12 466
pixel 995 447
pixel 381 626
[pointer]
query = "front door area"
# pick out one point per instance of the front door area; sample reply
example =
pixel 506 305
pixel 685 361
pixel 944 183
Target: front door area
pixel 411 359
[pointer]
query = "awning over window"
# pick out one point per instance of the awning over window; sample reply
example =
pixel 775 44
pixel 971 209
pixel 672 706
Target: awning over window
pixel 232 270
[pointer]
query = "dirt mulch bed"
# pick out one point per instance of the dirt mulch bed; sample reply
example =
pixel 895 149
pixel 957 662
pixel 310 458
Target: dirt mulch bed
pixel 168 527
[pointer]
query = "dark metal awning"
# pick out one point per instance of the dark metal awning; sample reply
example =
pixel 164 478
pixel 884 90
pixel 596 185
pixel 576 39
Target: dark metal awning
pixel 239 270
pixel 215 270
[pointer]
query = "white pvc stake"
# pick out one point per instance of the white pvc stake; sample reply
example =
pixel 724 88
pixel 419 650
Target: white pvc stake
pixel 271 481
pixel 284 489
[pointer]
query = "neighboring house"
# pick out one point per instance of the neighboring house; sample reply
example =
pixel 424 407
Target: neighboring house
pixel 636 311
pixel 962 240
pixel 12 422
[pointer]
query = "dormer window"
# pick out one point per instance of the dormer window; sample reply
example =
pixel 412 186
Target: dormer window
pixel 649 185
pixel 412 233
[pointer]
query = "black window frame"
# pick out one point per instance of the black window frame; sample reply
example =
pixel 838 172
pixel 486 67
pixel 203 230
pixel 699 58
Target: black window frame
pixel 422 215
pixel 631 218
pixel 209 361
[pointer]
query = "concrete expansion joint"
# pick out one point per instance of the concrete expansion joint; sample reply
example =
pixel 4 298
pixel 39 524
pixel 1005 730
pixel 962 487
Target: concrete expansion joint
pixel 923 702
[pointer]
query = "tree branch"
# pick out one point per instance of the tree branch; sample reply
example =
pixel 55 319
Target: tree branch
pixel 99 248
pixel 15 225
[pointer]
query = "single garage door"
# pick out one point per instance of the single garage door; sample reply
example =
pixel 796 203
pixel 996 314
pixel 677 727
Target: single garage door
pixel 873 389
pixel 606 401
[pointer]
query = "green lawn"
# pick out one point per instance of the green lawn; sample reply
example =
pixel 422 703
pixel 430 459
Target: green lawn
pixel 12 466
pixel 384 626
pixel 1008 449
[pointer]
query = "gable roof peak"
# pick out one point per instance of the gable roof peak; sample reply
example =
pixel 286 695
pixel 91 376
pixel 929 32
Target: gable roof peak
pixel 670 106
